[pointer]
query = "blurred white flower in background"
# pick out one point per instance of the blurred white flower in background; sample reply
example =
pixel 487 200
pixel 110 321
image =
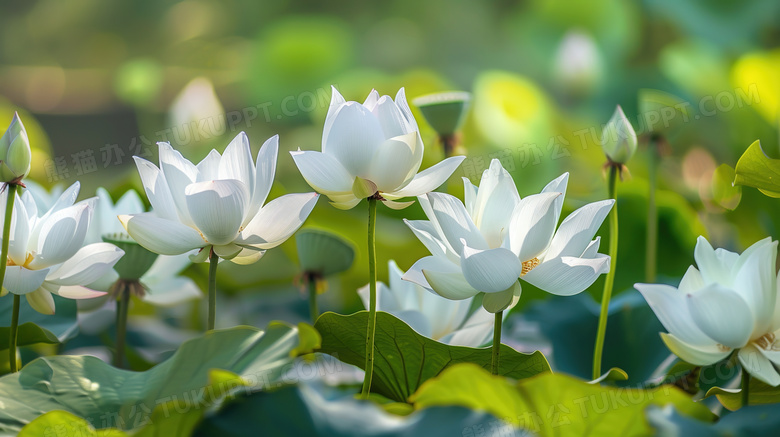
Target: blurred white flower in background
pixel 161 280
pixel 578 63
pixel 196 113
pixel 444 320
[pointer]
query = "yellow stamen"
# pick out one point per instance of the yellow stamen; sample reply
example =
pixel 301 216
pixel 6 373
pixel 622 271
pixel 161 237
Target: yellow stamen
pixel 766 342
pixel 27 260
pixel 529 265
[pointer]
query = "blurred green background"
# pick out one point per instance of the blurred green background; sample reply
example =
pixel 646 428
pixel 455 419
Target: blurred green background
pixel 97 82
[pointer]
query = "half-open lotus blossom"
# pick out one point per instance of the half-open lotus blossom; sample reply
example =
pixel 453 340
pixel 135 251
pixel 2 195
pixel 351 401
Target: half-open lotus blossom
pixel 218 203
pixel 496 237
pixel 444 320
pixel 369 148
pixel 46 251
pixel 729 303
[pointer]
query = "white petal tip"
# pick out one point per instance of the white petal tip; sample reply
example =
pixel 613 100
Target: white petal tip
pixel 124 219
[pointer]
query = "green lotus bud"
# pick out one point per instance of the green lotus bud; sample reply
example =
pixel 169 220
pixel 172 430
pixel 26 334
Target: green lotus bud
pixel 446 111
pixel 136 261
pixel 618 139
pixel 15 153
pixel 323 253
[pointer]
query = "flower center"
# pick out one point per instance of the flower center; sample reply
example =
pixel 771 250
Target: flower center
pixel 27 260
pixel 529 265
pixel 766 342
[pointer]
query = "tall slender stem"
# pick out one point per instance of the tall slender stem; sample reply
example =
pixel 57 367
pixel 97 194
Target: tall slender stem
pixel 496 341
pixel 745 387
pixel 651 245
pixel 213 259
pixel 448 143
pixel 610 280
pixel 122 308
pixel 13 364
pixel 313 310
pixel 9 208
pixel 371 328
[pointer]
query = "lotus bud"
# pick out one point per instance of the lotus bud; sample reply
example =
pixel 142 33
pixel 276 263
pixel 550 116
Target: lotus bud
pixel 618 139
pixel 15 153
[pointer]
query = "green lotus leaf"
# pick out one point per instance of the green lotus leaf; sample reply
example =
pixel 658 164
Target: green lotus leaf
pixel 405 359
pixel 107 397
pixel 553 404
pixel 35 327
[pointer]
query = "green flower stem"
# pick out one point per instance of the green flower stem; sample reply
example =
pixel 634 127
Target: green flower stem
pixel 371 328
pixel 13 365
pixel 610 280
pixel 9 208
pixel 745 387
pixel 448 143
pixel 496 341
pixel 313 310
pixel 213 259
pixel 122 307
pixel 651 245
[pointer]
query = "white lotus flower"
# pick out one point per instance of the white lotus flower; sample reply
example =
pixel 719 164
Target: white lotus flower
pixel 497 237
pixel 446 321
pixel 162 282
pixel 729 303
pixel 217 204
pixel 44 199
pixel 369 148
pixel 45 253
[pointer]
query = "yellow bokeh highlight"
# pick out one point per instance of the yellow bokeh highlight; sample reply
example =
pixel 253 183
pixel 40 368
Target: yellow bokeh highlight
pixel 510 109
pixel 762 71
